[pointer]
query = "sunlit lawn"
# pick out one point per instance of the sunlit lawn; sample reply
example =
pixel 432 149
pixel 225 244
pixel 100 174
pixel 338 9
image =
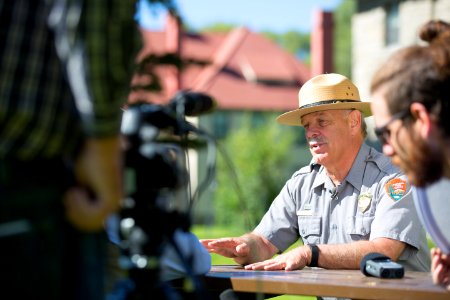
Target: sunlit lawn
pixel 204 232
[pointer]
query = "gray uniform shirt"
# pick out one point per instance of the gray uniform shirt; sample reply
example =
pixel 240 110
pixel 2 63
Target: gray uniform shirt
pixel 373 201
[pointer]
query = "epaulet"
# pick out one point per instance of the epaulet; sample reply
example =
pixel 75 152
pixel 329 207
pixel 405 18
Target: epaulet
pixel 383 162
pixel 305 170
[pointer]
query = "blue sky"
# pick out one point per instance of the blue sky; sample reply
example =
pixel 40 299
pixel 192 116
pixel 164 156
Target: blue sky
pixel 257 15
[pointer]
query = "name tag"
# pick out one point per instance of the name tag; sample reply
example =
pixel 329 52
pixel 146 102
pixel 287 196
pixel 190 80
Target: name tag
pixel 304 212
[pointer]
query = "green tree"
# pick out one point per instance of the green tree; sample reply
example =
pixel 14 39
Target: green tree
pixel 260 155
pixel 218 27
pixel 297 43
pixel 343 37
pixel 294 42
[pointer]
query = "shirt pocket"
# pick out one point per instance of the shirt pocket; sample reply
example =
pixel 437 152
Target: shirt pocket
pixel 310 229
pixel 358 227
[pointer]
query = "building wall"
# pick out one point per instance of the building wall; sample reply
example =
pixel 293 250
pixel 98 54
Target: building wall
pixel 369 49
pixel 368 33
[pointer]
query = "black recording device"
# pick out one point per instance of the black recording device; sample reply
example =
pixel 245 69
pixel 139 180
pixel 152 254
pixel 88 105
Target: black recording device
pixel 379 265
pixel 157 185
pixel 189 103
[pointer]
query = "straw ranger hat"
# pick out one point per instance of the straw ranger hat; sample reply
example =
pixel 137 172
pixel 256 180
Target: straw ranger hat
pixel 325 92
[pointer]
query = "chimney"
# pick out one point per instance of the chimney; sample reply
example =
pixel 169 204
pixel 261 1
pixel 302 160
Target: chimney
pixel 173 45
pixel 322 43
pixel 173 33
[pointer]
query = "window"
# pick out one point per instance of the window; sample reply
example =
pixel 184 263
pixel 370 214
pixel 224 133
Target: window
pixel 392 23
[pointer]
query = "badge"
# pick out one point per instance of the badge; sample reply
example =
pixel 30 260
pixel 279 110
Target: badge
pixel 364 201
pixel 396 188
pixel 304 213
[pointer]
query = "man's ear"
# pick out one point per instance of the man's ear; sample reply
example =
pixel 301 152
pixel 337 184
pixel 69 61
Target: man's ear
pixel 355 119
pixel 423 123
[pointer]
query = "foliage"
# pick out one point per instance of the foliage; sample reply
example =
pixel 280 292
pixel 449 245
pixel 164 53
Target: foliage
pixel 260 154
pixel 343 37
pixel 294 42
pixel 149 64
pixel 170 5
pixel 219 27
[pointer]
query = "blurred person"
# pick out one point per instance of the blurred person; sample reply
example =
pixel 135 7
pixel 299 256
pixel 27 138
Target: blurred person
pixel 411 106
pixel 349 201
pixel 64 69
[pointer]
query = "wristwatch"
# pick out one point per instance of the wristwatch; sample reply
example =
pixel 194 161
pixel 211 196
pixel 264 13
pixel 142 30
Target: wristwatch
pixel 314 255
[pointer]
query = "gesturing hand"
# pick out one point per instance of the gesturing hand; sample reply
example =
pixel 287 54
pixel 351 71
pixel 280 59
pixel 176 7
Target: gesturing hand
pixel 235 248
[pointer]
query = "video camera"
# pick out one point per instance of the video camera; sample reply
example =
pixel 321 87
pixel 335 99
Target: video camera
pixel 159 199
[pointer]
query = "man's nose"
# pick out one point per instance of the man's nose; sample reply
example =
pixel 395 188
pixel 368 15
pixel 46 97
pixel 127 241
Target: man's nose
pixel 311 133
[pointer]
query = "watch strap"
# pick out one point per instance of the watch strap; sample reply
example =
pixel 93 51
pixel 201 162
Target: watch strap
pixel 314 255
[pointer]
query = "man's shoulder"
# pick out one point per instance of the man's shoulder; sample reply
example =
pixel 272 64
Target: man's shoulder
pixel 306 170
pixel 382 162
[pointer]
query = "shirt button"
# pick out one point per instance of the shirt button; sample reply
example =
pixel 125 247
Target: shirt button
pixel 303 231
pixel 334 226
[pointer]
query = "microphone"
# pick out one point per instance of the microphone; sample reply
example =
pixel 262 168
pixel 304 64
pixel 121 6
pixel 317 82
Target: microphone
pixel 334 192
pixel 379 265
pixel 192 104
pixel 158 116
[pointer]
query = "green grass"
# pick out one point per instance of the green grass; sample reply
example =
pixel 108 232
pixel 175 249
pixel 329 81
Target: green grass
pixel 210 232
pixel 430 243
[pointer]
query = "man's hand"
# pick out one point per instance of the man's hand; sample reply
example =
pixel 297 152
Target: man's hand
pixel 294 259
pixel 440 268
pixel 249 248
pixel 235 248
pixel 98 192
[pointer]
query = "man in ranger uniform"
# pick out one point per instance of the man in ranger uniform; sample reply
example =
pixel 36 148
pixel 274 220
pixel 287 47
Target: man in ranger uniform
pixel 349 201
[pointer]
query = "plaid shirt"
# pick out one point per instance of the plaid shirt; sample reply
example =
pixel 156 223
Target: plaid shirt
pixel 62 78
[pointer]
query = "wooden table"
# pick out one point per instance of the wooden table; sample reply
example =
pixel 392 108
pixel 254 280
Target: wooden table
pixel 321 282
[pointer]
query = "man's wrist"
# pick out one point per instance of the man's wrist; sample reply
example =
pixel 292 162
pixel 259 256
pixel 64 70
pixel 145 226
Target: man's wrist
pixel 314 262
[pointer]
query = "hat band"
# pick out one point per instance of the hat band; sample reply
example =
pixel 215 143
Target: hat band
pixel 326 102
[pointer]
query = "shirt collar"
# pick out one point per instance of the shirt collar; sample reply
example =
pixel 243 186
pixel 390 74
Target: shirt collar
pixel 354 177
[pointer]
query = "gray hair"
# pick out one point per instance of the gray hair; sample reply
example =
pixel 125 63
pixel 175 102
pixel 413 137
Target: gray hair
pixel 363 121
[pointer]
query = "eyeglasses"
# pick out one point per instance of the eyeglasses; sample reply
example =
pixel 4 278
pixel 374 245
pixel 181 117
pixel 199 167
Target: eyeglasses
pixel 384 133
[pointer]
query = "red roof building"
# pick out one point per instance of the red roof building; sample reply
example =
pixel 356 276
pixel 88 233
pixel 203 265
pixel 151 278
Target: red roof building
pixel 243 70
